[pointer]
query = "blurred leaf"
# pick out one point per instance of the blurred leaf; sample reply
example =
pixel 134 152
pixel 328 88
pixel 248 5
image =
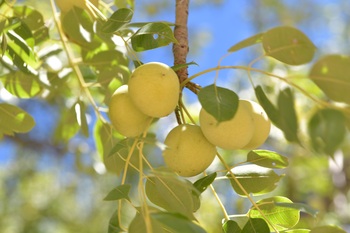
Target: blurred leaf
pixel 327 229
pixel 138 224
pixel 288 45
pixel 247 42
pixel 119 18
pixel 288 121
pixel 14 120
pixel 267 159
pixel 202 184
pixel 80 108
pixel 282 218
pixel 299 206
pixel 114 226
pixel 230 226
pixel 171 193
pixel 269 108
pixel 296 231
pixel 67 126
pixel 124 3
pixel 327 129
pixel 120 192
pixel 256 225
pixel 254 179
pixel 219 102
pixel 151 36
pixel 105 60
pixel 180 66
pixel 21 84
pixel 332 75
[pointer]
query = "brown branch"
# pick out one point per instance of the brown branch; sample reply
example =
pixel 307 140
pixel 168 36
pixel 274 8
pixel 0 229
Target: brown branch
pixel 180 49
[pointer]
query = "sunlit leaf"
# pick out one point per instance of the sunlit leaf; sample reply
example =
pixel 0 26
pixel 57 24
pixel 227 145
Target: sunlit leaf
pixel 255 180
pixel 219 102
pixel 327 229
pixel 299 206
pixel 14 120
pixel 332 75
pixel 296 231
pixel 288 45
pixel 327 130
pixel 114 225
pixel 247 42
pixel 21 84
pixel 282 218
pixel 119 18
pixel 120 192
pixel 151 36
pixel 266 158
pixel 230 226
pixel 256 225
pixel 202 184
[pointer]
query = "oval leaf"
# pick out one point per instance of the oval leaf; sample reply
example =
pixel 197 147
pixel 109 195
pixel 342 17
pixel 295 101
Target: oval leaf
pixel 120 192
pixel 14 120
pixel 256 225
pixel 299 206
pixel 113 225
pixel 288 45
pixel 22 85
pixel 327 229
pixel 202 184
pixel 219 102
pixel 269 108
pixel 117 20
pixel 282 218
pixel 231 226
pixel 255 180
pixel 332 75
pixel 266 158
pixel 247 42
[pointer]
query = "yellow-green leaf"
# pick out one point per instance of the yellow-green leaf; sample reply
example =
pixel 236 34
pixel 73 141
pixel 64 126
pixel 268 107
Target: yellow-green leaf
pixel 14 120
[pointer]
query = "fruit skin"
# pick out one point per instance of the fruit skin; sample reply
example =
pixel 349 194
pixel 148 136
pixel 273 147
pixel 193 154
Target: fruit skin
pixel 262 125
pixel 126 118
pixel 188 152
pixel 66 5
pixel 154 88
pixel 232 134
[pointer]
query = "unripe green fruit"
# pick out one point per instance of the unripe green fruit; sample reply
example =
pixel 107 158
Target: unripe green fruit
pixel 262 124
pixel 188 152
pixel 66 5
pixel 232 134
pixel 154 88
pixel 126 118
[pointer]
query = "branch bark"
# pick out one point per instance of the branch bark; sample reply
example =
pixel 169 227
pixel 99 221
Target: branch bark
pixel 180 50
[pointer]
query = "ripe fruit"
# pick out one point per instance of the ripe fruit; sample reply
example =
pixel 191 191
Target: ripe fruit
pixel 232 134
pixel 154 88
pixel 188 152
pixel 261 122
pixel 66 5
pixel 125 116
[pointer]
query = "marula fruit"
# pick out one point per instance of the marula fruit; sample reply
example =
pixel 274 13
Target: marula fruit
pixel 126 118
pixel 188 152
pixel 154 88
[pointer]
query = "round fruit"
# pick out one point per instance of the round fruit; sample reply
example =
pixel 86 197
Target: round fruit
pixel 261 122
pixel 232 134
pixel 188 152
pixel 66 5
pixel 126 118
pixel 154 88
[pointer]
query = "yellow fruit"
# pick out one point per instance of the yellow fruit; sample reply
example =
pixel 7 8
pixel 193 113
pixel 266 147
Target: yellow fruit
pixel 261 122
pixel 188 152
pixel 126 118
pixel 232 134
pixel 66 5
pixel 154 88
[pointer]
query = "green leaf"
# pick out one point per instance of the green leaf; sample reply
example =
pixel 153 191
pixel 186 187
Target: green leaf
pixel 266 158
pixel 327 129
pixel 151 36
pixel 332 75
pixel 327 229
pixel 296 231
pixel 230 226
pixel 219 102
pixel 14 120
pixel 288 121
pixel 138 225
pixel 119 18
pixel 281 217
pixel 67 126
pixel 257 225
pixel 247 42
pixel 299 206
pixel 113 225
pixel 269 108
pixel 202 184
pixel 120 192
pixel 81 117
pixel 180 66
pixel 170 192
pixel 21 84
pixel 255 180
pixel 288 45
